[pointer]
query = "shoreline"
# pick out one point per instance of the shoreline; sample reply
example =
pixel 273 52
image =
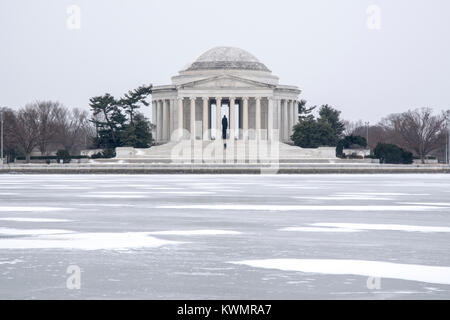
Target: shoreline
pixel 304 168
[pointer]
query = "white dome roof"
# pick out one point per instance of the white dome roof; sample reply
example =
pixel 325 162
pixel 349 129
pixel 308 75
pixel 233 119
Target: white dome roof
pixel 227 58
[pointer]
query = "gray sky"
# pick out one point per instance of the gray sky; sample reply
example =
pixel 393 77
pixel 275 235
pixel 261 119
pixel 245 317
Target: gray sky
pixel 324 47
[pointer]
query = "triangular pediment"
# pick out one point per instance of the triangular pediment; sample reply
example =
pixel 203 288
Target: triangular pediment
pixel 226 81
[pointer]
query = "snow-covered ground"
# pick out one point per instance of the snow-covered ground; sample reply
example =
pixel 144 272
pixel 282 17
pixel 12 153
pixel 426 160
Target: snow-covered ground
pixel 225 236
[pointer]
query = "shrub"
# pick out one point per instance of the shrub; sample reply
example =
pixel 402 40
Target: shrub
pixel 313 134
pixel 390 153
pixel 63 155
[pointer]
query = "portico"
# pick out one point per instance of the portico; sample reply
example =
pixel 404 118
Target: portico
pixel 200 117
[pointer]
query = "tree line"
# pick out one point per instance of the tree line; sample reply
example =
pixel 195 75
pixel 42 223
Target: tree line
pixel 49 126
pixel 419 132
pixel 45 126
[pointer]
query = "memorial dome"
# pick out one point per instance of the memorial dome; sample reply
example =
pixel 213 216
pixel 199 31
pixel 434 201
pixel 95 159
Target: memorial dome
pixel 227 58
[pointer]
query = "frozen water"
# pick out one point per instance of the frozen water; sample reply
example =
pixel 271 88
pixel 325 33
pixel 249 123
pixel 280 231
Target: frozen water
pixel 442 204
pixel 316 229
pixel 173 236
pixel 85 241
pixel 30 209
pixel 378 269
pixel 113 196
pixel 30 232
pixel 33 219
pixel 195 232
pixel 345 197
pixel 268 207
pixel 11 262
pixel 390 227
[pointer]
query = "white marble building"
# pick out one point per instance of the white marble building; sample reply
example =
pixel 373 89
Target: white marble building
pixel 249 94
pixel 261 114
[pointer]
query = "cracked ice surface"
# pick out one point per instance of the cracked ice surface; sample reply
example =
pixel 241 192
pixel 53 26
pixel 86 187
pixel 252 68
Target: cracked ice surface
pixel 429 274
pixel 32 219
pixel 173 236
pixel 357 227
pixel 85 241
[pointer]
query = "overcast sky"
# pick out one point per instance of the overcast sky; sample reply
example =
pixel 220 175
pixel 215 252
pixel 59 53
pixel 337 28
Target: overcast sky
pixel 324 47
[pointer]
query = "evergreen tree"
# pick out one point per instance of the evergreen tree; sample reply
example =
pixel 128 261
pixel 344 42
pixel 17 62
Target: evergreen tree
pixel 138 135
pixel 313 133
pixel 107 118
pixel 391 153
pixel 134 99
pixel 304 112
pixel 310 133
pixel 331 116
pixel 118 123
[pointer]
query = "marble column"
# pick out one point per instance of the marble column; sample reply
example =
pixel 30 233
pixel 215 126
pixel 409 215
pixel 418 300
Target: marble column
pixel 206 135
pixel 218 118
pixel 258 117
pixel 291 118
pixel 269 118
pixel 280 132
pixel 192 109
pixel 180 118
pixel 165 128
pixel 245 118
pixel 160 120
pixel 171 117
pixel 232 123
pixel 284 106
pixel 154 120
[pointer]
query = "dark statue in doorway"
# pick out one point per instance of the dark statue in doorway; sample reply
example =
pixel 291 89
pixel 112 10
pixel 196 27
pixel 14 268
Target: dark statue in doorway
pixel 224 127
pixel 224 130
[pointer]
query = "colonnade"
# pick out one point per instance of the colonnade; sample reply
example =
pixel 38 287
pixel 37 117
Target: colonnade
pixel 169 115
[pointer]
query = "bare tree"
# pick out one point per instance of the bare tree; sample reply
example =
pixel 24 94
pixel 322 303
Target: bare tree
pixel 418 130
pixel 47 126
pixel 8 138
pixel 74 129
pixel 351 127
pixel 47 111
pixel 374 133
pixel 25 130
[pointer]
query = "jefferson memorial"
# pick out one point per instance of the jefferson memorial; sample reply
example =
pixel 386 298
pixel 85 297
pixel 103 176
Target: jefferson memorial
pixel 224 83
pixel 244 89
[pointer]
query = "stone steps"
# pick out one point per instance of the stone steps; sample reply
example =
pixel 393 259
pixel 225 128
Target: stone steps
pixel 238 151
